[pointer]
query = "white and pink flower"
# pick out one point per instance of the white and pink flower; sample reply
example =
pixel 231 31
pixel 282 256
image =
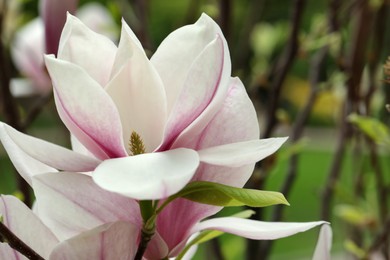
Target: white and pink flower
pixel 193 121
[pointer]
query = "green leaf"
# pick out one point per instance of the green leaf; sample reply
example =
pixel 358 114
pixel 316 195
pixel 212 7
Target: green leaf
pixel 207 235
pixel 351 247
pixel 227 196
pixel 354 215
pixel 372 127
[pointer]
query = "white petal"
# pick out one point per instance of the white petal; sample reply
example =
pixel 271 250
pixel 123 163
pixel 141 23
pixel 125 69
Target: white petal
pixel 138 93
pixel 177 52
pixel 253 229
pixel 110 241
pixel 25 225
pixel 26 165
pixel 6 252
pixel 324 244
pixel 148 176
pixel 71 203
pixel 86 109
pixel 27 53
pixel 50 154
pixel 21 87
pixel 93 52
pixel 203 92
pixel 242 153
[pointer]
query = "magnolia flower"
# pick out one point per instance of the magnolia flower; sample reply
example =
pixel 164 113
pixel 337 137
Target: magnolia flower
pixel 117 240
pixel 143 129
pixel 91 235
pixel 42 34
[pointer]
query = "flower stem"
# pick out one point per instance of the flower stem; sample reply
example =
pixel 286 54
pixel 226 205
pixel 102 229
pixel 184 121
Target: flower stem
pixel 149 218
pixel 13 241
pixel 147 233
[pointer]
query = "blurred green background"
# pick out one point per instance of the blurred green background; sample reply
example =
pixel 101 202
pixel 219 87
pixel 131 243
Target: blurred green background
pixel 257 34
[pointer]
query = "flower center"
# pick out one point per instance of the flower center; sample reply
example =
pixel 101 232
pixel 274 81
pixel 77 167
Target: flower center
pixel 136 145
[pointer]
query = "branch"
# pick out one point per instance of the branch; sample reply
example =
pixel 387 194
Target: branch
pixel 225 17
pixel 35 110
pixel 278 74
pixel 241 53
pixel 354 69
pixel 283 65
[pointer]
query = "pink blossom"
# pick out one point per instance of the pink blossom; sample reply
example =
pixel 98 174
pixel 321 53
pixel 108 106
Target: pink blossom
pixel 193 120
pixel 42 34
pixel 117 240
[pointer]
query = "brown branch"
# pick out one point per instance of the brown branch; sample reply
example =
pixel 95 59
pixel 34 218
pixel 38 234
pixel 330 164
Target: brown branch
pixel 225 17
pixel 354 69
pixel 283 65
pixel 373 63
pixel 297 132
pixel 6 236
pixel 35 110
pixel 277 77
pixel 382 240
pixel 216 249
pixel 241 53
pixel 142 30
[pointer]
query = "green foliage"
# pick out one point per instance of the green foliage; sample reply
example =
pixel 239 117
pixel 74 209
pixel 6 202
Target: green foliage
pixel 227 196
pixel 372 127
pixel 354 215
pixel 351 247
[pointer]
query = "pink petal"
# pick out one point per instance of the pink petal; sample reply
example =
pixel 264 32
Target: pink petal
pixel 93 52
pixel 79 205
pixel 50 154
pixel 26 165
pixel 86 109
pixel 26 226
pixel 27 54
pixel 110 241
pixel 98 18
pixel 177 219
pixel 157 248
pixel 148 176
pixel 54 16
pixel 7 253
pixel 177 53
pixel 253 229
pixel 203 92
pixel 138 93
pixel 235 121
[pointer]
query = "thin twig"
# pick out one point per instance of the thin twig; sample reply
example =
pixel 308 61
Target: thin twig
pixel 35 110
pixel 297 132
pixel 277 77
pixel 6 236
pixel 382 239
pixel 216 247
pixel 354 70
pixel 283 65
pixel 241 52
pixel 142 32
pixel 225 17
pixel 373 62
